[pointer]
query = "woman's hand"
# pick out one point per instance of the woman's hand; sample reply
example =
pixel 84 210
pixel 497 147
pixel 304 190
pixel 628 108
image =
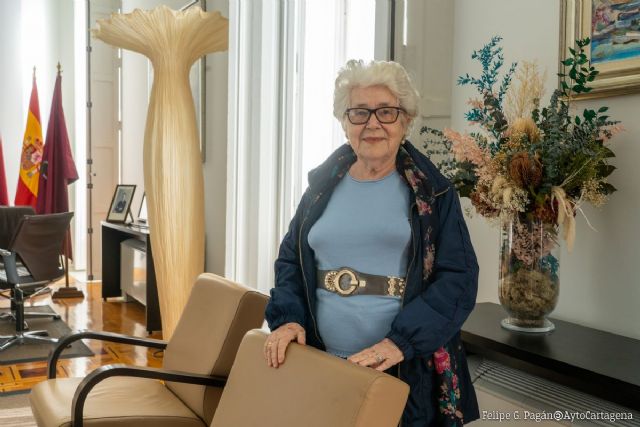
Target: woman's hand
pixel 380 356
pixel 277 342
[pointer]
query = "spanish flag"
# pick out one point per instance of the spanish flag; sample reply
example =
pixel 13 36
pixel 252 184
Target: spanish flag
pixel 27 192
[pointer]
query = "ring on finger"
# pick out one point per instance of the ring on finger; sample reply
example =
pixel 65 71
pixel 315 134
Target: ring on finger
pixel 379 358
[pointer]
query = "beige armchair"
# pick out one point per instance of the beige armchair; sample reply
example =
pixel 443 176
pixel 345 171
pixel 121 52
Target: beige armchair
pixel 197 360
pixel 311 389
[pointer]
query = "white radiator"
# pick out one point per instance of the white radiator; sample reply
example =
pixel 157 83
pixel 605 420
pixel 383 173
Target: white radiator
pixel 516 385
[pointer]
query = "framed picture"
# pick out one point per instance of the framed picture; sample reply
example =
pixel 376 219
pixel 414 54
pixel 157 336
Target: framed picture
pixel 614 29
pixel 121 203
pixel 142 211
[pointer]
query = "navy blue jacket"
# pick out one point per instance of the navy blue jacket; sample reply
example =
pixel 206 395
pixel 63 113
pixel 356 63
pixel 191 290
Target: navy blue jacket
pixel 433 310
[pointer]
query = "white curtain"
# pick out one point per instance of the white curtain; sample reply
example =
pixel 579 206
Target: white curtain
pixel 283 59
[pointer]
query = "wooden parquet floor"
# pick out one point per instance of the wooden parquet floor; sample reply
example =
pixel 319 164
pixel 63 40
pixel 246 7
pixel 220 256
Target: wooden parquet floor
pixel 88 313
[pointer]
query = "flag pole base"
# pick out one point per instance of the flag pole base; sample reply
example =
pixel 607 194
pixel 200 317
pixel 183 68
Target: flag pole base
pixel 68 292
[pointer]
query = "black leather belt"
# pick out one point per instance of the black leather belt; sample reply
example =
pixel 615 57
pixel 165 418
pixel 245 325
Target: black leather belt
pixel 346 282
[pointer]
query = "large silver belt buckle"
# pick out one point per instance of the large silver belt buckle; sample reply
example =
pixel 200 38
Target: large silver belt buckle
pixel 332 282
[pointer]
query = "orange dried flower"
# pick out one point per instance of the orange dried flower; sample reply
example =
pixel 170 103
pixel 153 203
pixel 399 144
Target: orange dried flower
pixel 483 207
pixel 524 170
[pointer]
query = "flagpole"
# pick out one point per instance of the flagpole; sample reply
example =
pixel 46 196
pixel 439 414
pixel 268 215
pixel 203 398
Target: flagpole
pixel 67 291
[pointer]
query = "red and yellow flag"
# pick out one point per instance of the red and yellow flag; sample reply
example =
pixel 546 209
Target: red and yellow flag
pixel 27 192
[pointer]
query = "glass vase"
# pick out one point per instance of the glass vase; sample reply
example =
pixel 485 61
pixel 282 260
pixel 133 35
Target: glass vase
pixel 529 281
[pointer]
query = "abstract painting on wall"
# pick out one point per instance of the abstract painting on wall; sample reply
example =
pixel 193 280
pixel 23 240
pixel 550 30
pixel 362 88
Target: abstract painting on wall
pixel 614 29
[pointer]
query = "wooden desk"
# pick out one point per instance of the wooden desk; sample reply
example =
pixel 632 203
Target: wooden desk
pixel 112 235
pixel 596 362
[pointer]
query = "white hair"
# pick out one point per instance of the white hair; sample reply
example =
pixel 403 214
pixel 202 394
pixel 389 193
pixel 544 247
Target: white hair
pixel 390 74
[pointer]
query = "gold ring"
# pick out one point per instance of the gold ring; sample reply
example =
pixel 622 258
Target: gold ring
pixel 269 344
pixel 379 358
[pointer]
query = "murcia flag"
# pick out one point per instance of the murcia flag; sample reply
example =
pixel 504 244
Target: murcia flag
pixel 27 191
pixel 57 170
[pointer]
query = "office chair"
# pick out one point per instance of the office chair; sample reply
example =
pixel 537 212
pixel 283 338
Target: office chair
pixel 31 260
pixel 10 217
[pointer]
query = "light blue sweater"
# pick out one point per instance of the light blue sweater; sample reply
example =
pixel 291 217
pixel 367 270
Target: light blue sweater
pixel 364 227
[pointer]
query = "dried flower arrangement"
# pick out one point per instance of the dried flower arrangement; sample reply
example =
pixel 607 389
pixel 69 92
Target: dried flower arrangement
pixel 530 167
pixel 540 163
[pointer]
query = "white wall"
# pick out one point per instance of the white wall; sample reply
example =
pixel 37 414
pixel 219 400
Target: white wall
pixel 599 284
pixel 12 105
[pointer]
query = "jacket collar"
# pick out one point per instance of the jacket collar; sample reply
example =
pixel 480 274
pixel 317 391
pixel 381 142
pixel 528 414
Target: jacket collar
pixel 322 176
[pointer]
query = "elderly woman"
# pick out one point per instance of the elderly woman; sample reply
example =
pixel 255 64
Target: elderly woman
pixel 377 266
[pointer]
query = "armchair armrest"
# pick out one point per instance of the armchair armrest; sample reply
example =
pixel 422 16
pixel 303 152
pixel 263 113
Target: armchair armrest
pixel 91 380
pixel 103 336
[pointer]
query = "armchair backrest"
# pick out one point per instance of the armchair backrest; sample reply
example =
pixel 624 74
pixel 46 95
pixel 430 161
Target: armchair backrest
pixel 38 242
pixel 10 217
pixel 217 315
pixel 312 388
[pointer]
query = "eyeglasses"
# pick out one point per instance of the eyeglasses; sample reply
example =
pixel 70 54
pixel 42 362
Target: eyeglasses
pixel 385 115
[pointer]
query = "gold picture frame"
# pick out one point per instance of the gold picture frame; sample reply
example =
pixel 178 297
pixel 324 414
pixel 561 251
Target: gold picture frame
pixel 619 67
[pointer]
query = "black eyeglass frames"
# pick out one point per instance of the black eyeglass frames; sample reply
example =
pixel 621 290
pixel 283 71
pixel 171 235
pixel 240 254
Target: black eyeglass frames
pixel 386 115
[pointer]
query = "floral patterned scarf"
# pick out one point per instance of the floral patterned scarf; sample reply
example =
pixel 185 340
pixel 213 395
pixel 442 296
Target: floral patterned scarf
pixel 444 358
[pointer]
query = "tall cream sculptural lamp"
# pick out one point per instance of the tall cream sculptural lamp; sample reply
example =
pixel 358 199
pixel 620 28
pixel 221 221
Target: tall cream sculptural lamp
pixel 173 178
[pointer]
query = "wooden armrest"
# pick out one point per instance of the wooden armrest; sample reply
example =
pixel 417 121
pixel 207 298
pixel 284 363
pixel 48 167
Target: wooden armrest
pixel 103 336
pixel 91 380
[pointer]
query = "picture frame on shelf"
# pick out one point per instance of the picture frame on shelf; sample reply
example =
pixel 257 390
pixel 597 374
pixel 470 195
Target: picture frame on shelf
pixel 142 210
pixel 614 30
pixel 120 205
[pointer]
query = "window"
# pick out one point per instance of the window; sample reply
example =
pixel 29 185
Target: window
pixel 334 32
pixel 283 60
